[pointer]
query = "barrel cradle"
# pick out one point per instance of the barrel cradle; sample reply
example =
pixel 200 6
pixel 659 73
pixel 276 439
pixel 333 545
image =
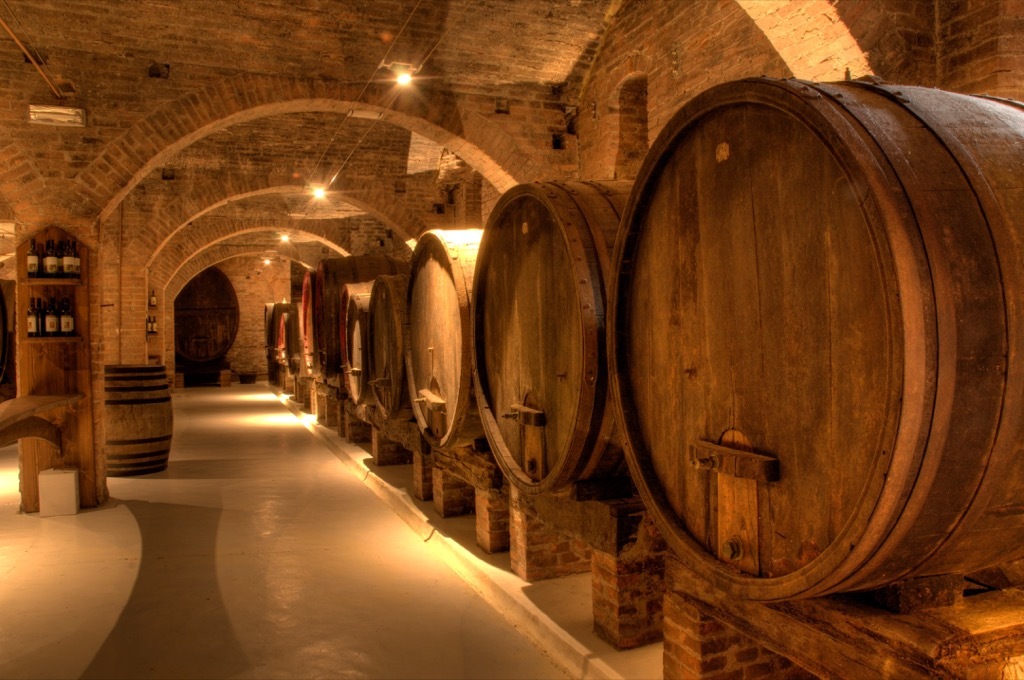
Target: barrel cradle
pixel 386 322
pixel 539 333
pixel 356 302
pixel 438 355
pixel 815 335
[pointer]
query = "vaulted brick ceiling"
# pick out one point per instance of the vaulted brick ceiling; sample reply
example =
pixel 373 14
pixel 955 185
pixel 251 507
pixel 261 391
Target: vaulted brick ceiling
pixel 103 51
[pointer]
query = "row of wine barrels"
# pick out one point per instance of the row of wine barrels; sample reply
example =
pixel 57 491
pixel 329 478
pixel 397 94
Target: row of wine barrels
pixel 356 302
pixel 438 351
pixel 328 322
pixel 386 331
pixel 205 317
pixel 816 334
pixel 539 332
pixel 138 421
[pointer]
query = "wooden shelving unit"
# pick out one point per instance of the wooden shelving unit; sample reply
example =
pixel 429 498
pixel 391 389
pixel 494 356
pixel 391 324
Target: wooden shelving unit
pixel 55 366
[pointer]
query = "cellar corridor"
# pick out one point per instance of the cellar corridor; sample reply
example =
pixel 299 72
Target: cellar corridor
pixel 258 553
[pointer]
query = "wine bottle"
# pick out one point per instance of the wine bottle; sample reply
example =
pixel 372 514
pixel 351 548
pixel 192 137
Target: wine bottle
pixel 152 297
pixel 32 320
pixel 69 260
pixel 67 318
pixel 77 258
pixel 153 325
pixel 32 259
pixel 59 253
pixel 51 323
pixel 50 259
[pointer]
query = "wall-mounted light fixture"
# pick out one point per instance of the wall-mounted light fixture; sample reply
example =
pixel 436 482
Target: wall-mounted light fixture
pixel 62 116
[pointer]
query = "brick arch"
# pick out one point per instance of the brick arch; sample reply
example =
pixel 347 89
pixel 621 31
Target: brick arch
pixel 150 142
pixel 207 235
pixel 811 37
pixel 200 261
pixel 372 197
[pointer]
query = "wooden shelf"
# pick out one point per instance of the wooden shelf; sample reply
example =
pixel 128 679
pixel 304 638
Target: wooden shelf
pixel 49 282
pixel 58 338
pixel 57 365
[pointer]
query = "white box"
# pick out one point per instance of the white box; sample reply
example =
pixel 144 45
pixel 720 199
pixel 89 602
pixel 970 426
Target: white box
pixel 58 492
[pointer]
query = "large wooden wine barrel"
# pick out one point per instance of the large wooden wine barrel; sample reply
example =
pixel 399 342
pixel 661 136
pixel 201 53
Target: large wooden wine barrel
pixel 539 332
pixel 387 346
pixel 356 346
pixel 438 355
pixel 328 314
pixel 816 335
pixel 205 317
pixel 271 322
pixel 137 419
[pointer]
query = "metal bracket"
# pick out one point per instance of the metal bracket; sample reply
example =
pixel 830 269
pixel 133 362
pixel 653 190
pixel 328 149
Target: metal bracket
pixel 734 462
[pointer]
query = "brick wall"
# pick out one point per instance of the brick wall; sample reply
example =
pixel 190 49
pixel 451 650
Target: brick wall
pixel 255 285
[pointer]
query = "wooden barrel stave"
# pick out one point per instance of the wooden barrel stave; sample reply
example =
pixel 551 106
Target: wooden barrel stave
pixel 842 310
pixel 438 354
pixel 539 309
pixel 386 321
pixel 138 420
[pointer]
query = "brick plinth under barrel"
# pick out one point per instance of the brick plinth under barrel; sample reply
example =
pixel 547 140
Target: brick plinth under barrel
pixel 353 429
pixel 452 496
pixel 628 589
pixel 539 551
pixel 492 520
pixel 387 452
pixel 422 476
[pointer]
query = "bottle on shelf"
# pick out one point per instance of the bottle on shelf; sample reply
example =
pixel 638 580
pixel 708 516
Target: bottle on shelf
pixel 32 260
pixel 69 260
pixel 77 259
pixel 51 322
pixel 67 318
pixel 32 320
pixel 154 323
pixel 50 260
pixel 152 297
pixel 59 253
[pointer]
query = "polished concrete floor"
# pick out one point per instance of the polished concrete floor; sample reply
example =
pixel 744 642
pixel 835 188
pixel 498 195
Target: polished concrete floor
pixel 259 554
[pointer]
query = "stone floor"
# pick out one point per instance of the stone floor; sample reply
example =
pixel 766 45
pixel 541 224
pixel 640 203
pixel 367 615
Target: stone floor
pixel 259 554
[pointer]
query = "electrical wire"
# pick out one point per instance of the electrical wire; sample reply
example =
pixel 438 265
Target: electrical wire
pixel 36 59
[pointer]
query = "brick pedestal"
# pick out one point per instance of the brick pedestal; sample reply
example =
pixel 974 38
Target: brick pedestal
pixel 353 429
pixel 387 452
pixel 225 378
pixel 492 520
pixel 540 552
pixel 331 414
pixel 301 393
pixel 452 496
pixel 699 645
pixel 629 590
pixel 422 476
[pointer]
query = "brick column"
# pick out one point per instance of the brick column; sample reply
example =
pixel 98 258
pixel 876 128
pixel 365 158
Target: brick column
pixel 387 452
pixel 540 552
pixel 492 520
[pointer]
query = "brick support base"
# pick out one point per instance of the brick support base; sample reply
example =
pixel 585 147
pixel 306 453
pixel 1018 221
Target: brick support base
pixel 697 645
pixel 387 452
pixel 225 378
pixel 627 599
pixel 301 393
pixel 540 552
pixel 353 429
pixel 492 520
pixel 422 476
pixel 452 496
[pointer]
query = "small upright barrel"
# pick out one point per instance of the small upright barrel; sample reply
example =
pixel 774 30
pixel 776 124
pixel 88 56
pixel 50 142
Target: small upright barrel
pixel 438 356
pixel 137 419
pixel 356 302
pixel 816 330
pixel 386 322
pixel 538 333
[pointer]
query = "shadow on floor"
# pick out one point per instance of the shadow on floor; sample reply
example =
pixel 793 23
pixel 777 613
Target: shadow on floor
pixel 174 623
